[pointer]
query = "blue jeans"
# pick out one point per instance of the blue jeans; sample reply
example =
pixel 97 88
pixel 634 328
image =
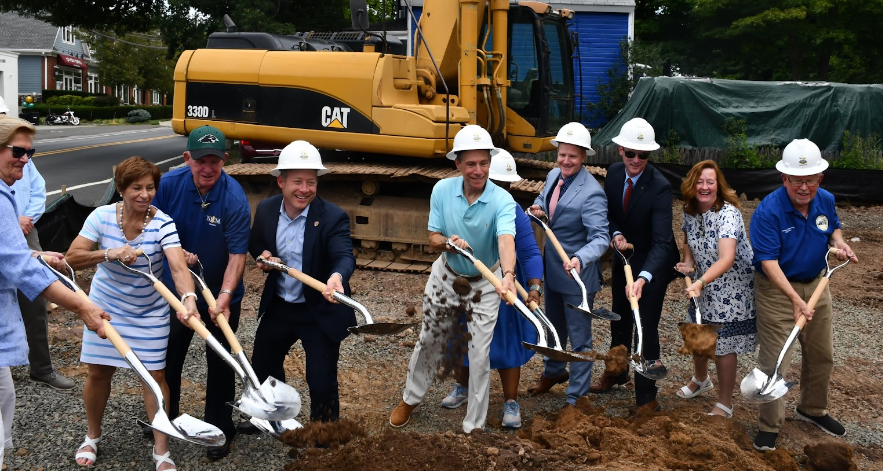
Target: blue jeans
pixel 578 328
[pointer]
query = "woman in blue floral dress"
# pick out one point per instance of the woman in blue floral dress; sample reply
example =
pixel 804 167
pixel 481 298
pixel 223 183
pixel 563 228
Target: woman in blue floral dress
pixel 716 245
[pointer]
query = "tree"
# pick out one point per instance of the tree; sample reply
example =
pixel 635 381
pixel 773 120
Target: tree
pixel 133 59
pixel 120 16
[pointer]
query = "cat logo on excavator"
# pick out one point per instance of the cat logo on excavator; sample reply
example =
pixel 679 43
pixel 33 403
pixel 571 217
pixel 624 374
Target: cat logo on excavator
pixel 334 117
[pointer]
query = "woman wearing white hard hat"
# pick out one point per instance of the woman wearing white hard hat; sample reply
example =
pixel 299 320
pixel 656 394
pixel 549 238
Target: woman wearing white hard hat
pixel 640 213
pixel 791 231
pixel 577 211
pixel 507 354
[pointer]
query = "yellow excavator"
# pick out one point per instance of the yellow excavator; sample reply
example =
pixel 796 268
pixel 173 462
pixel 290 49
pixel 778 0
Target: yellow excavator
pixel 385 120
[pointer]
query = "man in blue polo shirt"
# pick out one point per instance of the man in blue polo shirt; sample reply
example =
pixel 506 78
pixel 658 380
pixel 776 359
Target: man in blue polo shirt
pixel 471 212
pixel 791 230
pixel 212 215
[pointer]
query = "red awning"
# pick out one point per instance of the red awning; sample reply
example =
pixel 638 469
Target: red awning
pixel 72 61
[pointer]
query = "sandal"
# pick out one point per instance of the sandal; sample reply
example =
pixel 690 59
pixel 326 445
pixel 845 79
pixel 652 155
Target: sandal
pixel 727 411
pixel 686 393
pixel 89 455
pixel 164 458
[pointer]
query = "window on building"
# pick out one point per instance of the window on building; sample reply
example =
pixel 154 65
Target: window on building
pixel 94 86
pixel 136 93
pixel 68 78
pixel 122 92
pixel 156 98
pixel 67 35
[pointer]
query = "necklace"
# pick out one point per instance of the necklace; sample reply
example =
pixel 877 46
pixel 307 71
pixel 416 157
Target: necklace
pixel 204 202
pixel 143 226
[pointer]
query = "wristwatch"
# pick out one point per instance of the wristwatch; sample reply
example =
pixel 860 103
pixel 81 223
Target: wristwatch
pixel 537 288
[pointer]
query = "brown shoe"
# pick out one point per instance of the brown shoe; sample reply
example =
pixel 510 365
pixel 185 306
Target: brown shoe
pixel 607 382
pixel 545 384
pixel 645 409
pixel 401 415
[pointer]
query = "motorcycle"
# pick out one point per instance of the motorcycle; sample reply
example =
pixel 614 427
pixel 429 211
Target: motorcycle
pixel 64 118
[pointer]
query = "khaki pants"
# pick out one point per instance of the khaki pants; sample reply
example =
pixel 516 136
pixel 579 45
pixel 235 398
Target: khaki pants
pixel 429 350
pixel 775 320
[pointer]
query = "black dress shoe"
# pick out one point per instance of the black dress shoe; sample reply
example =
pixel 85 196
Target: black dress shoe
pixel 217 452
pixel 247 428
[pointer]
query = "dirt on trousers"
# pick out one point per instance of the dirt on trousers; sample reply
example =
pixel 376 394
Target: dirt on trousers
pixel 577 437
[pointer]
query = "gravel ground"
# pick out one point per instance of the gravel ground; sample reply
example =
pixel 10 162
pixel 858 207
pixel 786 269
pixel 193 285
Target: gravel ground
pixel 50 424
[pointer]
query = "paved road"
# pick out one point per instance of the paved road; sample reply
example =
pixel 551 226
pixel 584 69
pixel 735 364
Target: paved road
pixel 82 157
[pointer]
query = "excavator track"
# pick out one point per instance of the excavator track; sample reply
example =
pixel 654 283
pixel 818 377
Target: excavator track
pixel 392 238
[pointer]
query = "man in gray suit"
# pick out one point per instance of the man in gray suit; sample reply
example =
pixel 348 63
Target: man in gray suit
pixel 577 209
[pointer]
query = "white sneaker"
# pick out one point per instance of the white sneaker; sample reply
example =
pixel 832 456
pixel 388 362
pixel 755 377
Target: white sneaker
pixel 511 414
pixel 456 398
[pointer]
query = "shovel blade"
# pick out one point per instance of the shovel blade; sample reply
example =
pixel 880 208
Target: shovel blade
pixel 759 388
pixel 381 328
pixel 560 355
pixel 650 369
pixel 275 429
pixel 187 428
pixel 274 400
pixel 600 313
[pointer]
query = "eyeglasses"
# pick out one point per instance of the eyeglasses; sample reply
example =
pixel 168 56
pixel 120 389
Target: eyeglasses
pixel 641 155
pixel 809 182
pixel 19 152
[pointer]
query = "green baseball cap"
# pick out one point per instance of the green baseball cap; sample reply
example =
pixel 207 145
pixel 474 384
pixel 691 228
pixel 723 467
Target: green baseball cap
pixel 207 140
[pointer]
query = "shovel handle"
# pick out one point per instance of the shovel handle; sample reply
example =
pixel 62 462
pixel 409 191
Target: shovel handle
pixel 109 331
pixel 523 293
pixel 235 346
pixel 307 280
pixel 816 294
pixel 557 245
pixel 178 306
pixel 688 282
pixel 630 280
pixel 489 275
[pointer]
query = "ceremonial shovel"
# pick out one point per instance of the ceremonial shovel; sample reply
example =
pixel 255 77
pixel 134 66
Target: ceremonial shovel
pixel 757 386
pixel 370 327
pixel 654 370
pixel 584 307
pixel 542 346
pixel 185 427
pixel 272 400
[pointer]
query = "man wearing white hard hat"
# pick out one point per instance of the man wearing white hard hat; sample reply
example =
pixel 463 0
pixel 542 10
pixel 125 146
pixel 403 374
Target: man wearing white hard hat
pixel 791 231
pixel 640 213
pixel 577 210
pixel 507 354
pixel 473 213
pixel 212 215
pixel 311 234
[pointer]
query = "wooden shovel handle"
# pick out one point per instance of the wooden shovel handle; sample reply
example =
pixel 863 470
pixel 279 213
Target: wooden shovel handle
pixel 816 294
pixel 523 293
pixel 235 346
pixel 629 281
pixel 557 245
pixel 178 306
pixel 489 275
pixel 109 331
pixel 307 280
pixel 689 282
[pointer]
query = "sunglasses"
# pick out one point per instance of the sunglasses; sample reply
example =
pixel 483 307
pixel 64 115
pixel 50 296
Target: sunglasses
pixel 641 155
pixel 19 152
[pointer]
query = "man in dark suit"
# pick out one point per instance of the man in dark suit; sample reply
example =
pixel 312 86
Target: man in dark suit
pixel 639 208
pixel 305 232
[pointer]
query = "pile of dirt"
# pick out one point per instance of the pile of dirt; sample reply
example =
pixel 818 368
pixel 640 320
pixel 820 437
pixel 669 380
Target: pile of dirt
pixel 699 340
pixel 830 457
pixel 323 434
pixel 574 438
pixel 615 360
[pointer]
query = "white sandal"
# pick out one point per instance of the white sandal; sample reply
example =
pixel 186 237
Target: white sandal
pixel 686 393
pixel 164 458
pixel 727 410
pixel 89 455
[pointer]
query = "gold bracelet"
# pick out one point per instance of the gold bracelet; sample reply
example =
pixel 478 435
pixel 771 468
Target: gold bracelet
pixel 702 282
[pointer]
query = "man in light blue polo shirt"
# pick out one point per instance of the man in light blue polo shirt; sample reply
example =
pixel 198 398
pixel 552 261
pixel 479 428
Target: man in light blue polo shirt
pixel 791 230
pixel 473 213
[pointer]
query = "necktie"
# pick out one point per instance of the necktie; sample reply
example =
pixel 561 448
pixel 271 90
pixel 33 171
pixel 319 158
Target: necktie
pixel 553 203
pixel 628 194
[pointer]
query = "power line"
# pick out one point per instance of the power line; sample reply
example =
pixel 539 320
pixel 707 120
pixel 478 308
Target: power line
pixel 125 42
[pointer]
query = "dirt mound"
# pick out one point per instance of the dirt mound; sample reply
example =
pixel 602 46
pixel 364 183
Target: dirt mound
pixel 615 361
pixel 830 457
pixel 699 340
pixel 323 434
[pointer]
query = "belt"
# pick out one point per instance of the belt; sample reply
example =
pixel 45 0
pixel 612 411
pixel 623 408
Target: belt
pixel 805 281
pixel 468 278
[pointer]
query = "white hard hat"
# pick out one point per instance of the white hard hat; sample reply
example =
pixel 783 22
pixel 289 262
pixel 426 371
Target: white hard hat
pixel 3 107
pixel 503 167
pixel 472 137
pixel 576 134
pixel 637 134
pixel 800 158
pixel 299 155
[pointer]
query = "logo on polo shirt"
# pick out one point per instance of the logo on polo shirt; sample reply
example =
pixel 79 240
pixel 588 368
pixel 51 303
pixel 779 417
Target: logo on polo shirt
pixel 822 223
pixel 213 220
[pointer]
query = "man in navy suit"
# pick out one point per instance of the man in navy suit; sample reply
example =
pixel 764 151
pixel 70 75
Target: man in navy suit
pixel 577 210
pixel 305 232
pixel 640 213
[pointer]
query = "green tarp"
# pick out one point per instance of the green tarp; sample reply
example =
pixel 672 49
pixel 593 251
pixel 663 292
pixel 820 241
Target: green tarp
pixel 775 112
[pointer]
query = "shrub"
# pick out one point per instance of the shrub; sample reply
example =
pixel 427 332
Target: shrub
pixel 739 153
pixel 65 100
pixel 107 100
pixel 91 113
pixel 138 116
pixel 859 153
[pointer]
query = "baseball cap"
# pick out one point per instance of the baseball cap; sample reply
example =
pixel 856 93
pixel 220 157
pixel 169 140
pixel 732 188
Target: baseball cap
pixel 207 140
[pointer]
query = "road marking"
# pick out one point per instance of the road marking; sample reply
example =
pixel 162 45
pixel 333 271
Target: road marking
pixel 74 149
pixel 105 182
pixel 93 136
